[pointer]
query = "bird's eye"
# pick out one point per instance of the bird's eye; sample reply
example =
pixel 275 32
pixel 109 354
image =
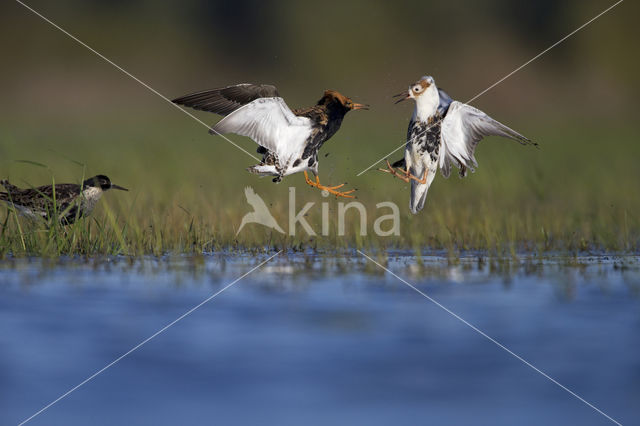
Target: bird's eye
pixel 416 89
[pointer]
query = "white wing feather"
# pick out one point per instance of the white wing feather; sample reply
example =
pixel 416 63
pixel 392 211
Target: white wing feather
pixel 462 128
pixel 271 124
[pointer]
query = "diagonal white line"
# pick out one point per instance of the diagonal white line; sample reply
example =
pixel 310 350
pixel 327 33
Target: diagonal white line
pixel 145 341
pixel 544 51
pixel 506 77
pixel 133 77
pixel 491 339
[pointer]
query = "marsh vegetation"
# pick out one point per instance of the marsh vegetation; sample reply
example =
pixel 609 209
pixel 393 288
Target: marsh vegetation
pixel 569 195
pixel 68 109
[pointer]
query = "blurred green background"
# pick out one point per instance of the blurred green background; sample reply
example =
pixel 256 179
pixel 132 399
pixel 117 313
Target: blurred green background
pixel 60 102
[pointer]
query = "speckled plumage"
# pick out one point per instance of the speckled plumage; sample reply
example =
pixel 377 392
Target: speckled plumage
pixel 442 132
pixel 258 111
pixel 72 201
pixel 327 118
pixel 425 136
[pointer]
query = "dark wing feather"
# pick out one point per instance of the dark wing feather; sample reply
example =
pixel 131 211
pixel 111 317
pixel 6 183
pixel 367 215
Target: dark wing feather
pixel 225 100
pixel 40 198
pixel 9 187
pixel 400 163
pixel 445 102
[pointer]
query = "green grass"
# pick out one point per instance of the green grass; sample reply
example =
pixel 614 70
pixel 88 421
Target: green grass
pixel 578 192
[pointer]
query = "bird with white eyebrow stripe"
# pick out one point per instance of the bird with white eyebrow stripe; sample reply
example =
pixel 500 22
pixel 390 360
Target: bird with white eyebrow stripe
pixel 442 131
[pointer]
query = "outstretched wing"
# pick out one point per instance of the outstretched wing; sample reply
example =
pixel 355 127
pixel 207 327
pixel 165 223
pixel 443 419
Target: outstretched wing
pixel 225 100
pixel 270 123
pixel 462 129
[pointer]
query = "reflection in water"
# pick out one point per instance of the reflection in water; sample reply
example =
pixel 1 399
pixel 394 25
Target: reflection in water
pixel 320 339
pixel 187 269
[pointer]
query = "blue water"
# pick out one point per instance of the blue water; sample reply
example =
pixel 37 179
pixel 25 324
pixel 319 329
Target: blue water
pixel 319 340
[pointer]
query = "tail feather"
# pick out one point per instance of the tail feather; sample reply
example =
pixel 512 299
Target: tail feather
pixel 9 187
pixel 263 170
pixel 4 196
pixel 418 196
pixel 419 190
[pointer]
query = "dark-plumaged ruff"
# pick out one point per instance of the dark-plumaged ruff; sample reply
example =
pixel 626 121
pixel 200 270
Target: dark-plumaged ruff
pixel 326 115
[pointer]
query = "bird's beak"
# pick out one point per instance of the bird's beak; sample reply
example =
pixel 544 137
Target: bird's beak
pixel 405 94
pixel 118 187
pixel 360 106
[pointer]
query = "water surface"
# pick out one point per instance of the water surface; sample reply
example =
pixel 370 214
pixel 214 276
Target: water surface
pixel 310 339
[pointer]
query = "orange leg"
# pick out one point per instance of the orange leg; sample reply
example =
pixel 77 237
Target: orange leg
pixel 404 174
pixel 329 189
pixel 423 180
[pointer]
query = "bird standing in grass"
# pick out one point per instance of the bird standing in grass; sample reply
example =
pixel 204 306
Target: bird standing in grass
pixel 71 200
pixel 289 139
pixel 442 131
